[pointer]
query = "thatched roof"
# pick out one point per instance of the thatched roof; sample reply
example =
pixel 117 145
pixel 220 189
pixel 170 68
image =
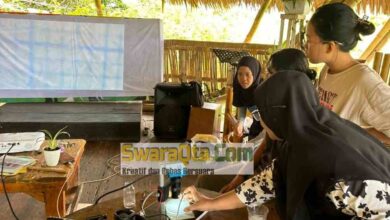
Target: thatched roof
pixel 375 6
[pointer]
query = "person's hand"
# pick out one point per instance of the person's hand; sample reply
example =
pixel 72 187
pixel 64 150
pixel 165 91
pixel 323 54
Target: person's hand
pixel 233 184
pixel 238 129
pixel 199 201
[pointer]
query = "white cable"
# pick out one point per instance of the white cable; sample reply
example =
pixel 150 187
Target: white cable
pixel 99 180
pixel 110 160
pixel 178 208
pixel 91 181
pixel 59 194
pixel 108 177
pixel 143 203
pixel 150 205
pixel 202 215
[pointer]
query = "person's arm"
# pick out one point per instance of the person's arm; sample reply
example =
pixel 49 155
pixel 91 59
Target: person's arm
pixel 240 178
pixel 238 128
pixel 223 202
pixel 377 113
pixel 233 184
pixel 258 189
pixel 379 135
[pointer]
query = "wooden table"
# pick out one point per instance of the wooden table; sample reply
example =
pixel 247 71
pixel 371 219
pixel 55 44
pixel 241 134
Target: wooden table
pixel 45 186
pixel 109 207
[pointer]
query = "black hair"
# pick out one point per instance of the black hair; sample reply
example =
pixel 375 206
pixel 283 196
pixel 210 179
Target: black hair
pixel 290 59
pixel 338 22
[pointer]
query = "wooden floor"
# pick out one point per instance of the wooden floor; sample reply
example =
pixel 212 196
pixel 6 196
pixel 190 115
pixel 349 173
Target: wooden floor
pixel 93 166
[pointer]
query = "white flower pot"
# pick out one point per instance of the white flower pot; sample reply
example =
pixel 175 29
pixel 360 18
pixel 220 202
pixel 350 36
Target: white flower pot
pixel 52 157
pixel 300 7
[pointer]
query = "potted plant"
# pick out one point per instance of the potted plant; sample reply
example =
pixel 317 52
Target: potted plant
pixel 296 6
pixel 52 151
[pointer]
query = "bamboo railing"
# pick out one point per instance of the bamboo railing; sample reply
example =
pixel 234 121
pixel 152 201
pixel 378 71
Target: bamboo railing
pixel 194 60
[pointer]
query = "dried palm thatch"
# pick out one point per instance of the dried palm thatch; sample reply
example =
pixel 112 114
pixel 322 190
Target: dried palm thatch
pixel 194 60
pixel 375 6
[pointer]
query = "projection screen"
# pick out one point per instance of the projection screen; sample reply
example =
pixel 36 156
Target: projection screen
pixel 70 56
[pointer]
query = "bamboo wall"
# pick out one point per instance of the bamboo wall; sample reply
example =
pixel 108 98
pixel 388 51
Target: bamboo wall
pixel 194 60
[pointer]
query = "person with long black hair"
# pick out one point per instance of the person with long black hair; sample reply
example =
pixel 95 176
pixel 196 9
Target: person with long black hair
pixel 290 59
pixel 326 167
pixel 347 87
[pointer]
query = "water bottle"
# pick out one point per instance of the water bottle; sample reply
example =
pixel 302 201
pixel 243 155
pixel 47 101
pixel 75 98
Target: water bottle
pixel 129 196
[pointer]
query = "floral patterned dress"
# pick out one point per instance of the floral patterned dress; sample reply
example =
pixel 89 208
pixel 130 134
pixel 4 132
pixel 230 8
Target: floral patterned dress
pixel 367 199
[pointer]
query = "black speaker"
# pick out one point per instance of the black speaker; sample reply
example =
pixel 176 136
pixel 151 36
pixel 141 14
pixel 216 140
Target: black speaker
pixel 171 110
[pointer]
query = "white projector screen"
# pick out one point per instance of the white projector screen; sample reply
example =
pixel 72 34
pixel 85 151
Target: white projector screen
pixel 70 56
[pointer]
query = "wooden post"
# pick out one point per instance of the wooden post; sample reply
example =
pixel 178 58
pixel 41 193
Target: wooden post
pixel 289 25
pixel 281 32
pixel 378 62
pixel 385 68
pixel 228 104
pixel 257 20
pixel 293 20
pixel 99 10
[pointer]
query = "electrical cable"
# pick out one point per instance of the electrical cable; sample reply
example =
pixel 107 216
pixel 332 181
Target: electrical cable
pixel 143 203
pixel 145 208
pixel 109 160
pixel 117 189
pixel 3 181
pixel 99 180
pixel 59 194
pixel 178 209
pixel 106 178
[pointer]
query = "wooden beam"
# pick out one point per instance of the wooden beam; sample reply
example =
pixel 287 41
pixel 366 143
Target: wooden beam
pixel 257 20
pixel 228 111
pixel 379 41
pixel 99 10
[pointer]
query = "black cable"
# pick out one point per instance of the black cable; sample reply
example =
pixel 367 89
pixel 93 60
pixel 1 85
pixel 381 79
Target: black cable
pixel 122 187
pixel 3 181
pixel 161 214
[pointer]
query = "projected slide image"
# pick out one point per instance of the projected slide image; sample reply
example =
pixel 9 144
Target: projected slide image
pixel 61 55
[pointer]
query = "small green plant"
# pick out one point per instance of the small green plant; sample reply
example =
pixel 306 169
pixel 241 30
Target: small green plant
pixel 52 145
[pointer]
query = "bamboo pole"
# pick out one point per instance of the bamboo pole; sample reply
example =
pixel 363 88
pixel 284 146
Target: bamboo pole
pixel 378 42
pixel 99 10
pixel 228 112
pixel 378 62
pixel 257 20
pixel 228 105
pixel 385 68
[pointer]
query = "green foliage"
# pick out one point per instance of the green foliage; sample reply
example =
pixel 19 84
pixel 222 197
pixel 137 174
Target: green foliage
pixel 53 145
pixel 47 6
pixel 179 22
